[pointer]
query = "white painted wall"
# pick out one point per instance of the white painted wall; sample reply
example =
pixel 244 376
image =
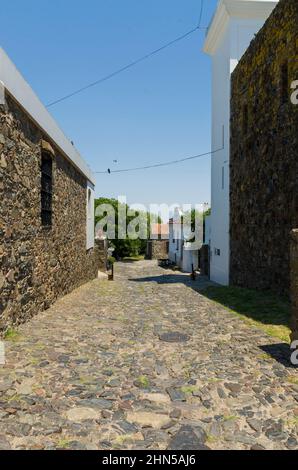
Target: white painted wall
pixel 207 234
pixel 172 247
pixel 181 252
pixel 90 226
pixel 175 244
pixel 229 35
pixel 190 258
pixel 176 238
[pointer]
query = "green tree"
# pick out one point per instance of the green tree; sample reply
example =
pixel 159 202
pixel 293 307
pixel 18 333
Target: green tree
pixel 125 247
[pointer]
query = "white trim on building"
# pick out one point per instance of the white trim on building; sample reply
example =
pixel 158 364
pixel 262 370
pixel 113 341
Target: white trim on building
pixel 90 226
pixel 21 91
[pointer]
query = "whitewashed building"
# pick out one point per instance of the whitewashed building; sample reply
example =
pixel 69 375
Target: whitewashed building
pixel 176 238
pixel 181 252
pixel 232 28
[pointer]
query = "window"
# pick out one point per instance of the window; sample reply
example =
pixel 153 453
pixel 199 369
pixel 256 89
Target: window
pixel 284 85
pixel 46 189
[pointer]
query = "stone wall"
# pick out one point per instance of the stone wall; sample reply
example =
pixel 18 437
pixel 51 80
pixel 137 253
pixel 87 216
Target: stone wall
pixel 157 249
pixel 294 283
pixel 264 151
pixel 102 249
pixel 37 265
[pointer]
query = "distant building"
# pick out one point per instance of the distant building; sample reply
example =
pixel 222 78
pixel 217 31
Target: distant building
pixel 176 238
pixel 47 205
pixel 231 30
pixel 158 244
pixel 264 155
pixel 182 252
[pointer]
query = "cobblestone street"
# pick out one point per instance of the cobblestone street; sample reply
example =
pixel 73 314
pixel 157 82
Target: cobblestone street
pixel 145 362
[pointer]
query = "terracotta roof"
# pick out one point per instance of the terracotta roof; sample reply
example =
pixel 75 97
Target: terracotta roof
pixel 160 229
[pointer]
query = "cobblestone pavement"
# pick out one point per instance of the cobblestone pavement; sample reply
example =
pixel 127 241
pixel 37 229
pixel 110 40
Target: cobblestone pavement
pixel 145 362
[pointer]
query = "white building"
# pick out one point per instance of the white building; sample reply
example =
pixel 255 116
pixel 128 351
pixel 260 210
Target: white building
pixel 232 28
pixel 181 252
pixel 207 231
pixel 176 238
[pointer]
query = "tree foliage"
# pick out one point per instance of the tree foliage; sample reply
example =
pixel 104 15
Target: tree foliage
pixel 126 247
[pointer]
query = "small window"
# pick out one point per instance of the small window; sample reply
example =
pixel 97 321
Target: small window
pixel 46 189
pixel 284 85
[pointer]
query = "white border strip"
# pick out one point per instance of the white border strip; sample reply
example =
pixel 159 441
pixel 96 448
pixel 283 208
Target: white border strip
pixel 25 96
pixel 2 93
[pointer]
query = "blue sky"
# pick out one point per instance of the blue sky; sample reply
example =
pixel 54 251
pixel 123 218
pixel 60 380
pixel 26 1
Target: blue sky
pixel 158 111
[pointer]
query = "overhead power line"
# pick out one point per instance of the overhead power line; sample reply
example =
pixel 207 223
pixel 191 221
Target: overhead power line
pixel 201 14
pixel 131 64
pixel 162 164
pixel 157 165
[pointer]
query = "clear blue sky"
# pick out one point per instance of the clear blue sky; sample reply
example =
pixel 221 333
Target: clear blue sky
pixel 158 111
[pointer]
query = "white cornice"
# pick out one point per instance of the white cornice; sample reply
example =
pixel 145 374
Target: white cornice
pixel 216 28
pixel 226 9
pixel 20 90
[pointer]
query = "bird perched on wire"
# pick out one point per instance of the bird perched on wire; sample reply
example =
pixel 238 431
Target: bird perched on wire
pixel 109 171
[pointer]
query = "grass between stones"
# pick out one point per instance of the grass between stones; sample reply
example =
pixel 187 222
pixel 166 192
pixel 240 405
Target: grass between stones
pixel 293 380
pixel 63 444
pixel 11 335
pixel 142 382
pixel 189 389
pixel 263 310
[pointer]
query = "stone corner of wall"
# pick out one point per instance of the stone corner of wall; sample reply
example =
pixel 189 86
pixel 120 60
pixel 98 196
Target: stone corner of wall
pixel 101 249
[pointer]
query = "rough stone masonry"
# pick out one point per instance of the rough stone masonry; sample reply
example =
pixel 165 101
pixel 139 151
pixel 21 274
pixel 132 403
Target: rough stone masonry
pixel 264 151
pixel 37 264
pixel 157 249
pixel 294 283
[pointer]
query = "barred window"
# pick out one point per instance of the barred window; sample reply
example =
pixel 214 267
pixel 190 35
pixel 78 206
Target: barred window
pixel 46 189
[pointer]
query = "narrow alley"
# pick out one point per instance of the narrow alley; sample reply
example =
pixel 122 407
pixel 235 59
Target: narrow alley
pixel 145 362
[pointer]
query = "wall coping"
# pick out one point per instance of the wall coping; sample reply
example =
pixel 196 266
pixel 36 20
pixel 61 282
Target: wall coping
pixel 242 9
pixel 21 91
